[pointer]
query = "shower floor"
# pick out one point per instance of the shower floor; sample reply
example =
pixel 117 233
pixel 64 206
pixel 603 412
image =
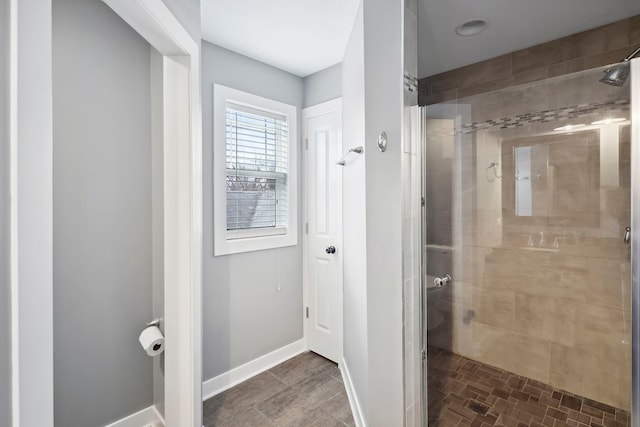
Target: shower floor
pixel 463 392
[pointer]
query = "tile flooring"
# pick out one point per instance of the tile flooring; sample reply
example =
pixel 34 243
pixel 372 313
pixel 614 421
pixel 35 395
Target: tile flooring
pixel 463 392
pixel 304 391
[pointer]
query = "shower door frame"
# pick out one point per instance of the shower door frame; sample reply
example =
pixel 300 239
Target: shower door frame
pixel 635 253
pixel 635 242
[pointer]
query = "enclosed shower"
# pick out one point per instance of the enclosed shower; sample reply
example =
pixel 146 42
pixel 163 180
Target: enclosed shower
pixel 526 291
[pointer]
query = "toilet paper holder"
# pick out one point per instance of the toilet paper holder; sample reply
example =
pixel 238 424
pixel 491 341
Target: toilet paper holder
pixel 154 322
pixel 152 339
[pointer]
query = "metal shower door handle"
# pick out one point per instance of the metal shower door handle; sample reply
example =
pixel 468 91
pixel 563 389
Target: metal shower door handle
pixel 442 280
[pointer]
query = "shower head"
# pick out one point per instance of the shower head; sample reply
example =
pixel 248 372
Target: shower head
pixel 618 74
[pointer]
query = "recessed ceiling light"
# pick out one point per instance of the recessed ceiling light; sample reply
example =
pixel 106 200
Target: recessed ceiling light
pixel 608 121
pixel 569 127
pixel 472 27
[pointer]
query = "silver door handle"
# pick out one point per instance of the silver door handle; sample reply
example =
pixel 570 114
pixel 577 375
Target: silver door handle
pixel 442 280
pixel 627 235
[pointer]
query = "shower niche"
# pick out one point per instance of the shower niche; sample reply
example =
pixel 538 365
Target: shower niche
pixel 556 177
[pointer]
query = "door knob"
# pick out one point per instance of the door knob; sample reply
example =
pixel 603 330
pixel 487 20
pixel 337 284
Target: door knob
pixel 627 235
pixel 330 250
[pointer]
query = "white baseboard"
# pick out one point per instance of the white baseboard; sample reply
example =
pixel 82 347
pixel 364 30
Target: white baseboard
pixel 356 409
pixel 148 417
pixel 250 369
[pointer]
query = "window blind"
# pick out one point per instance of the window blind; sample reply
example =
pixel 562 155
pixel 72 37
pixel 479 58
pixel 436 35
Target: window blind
pixel 257 172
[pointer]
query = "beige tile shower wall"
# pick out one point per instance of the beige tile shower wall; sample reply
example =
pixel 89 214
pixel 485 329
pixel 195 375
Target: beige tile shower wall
pixel 590 49
pixel 551 318
pixel 557 315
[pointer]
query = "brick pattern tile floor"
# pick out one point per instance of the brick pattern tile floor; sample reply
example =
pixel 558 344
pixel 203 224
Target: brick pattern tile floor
pixel 463 392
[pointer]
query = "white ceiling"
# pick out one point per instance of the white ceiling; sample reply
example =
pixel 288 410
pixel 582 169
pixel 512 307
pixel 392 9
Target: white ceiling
pixel 513 25
pixel 306 36
pixel 298 36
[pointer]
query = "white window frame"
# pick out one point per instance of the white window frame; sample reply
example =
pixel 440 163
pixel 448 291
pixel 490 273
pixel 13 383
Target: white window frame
pixel 256 240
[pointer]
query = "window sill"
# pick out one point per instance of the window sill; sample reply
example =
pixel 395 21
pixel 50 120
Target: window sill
pixel 224 246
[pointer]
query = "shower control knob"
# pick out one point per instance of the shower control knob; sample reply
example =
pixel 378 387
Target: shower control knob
pixel 330 250
pixel 442 280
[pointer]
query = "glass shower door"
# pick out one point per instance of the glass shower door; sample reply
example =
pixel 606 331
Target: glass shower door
pixel 527 278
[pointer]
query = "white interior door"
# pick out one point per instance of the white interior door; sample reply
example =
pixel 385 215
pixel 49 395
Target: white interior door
pixel 323 229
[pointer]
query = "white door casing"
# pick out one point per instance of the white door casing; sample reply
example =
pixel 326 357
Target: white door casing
pixel 31 215
pixel 323 228
pixel 31 191
pixel 182 186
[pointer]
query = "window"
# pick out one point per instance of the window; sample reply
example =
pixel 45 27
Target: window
pixel 254 150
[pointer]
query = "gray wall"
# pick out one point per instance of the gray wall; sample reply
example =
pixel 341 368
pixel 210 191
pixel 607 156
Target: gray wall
pixel 384 107
pixel 354 217
pixel 5 301
pixel 102 215
pixel 322 86
pixel 373 102
pixel 244 315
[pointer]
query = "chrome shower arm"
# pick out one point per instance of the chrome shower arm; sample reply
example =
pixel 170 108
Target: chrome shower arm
pixel 633 55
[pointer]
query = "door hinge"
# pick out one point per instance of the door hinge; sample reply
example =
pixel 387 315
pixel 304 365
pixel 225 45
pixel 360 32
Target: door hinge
pixel 424 355
pixel 306 143
pixel 307 312
pixel 306 227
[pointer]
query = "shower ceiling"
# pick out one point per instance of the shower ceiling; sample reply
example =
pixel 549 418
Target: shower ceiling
pixel 514 25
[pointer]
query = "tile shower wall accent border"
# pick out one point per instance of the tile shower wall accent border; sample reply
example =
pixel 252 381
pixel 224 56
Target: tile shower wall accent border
pixel 356 409
pixel 250 369
pixel 563 113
